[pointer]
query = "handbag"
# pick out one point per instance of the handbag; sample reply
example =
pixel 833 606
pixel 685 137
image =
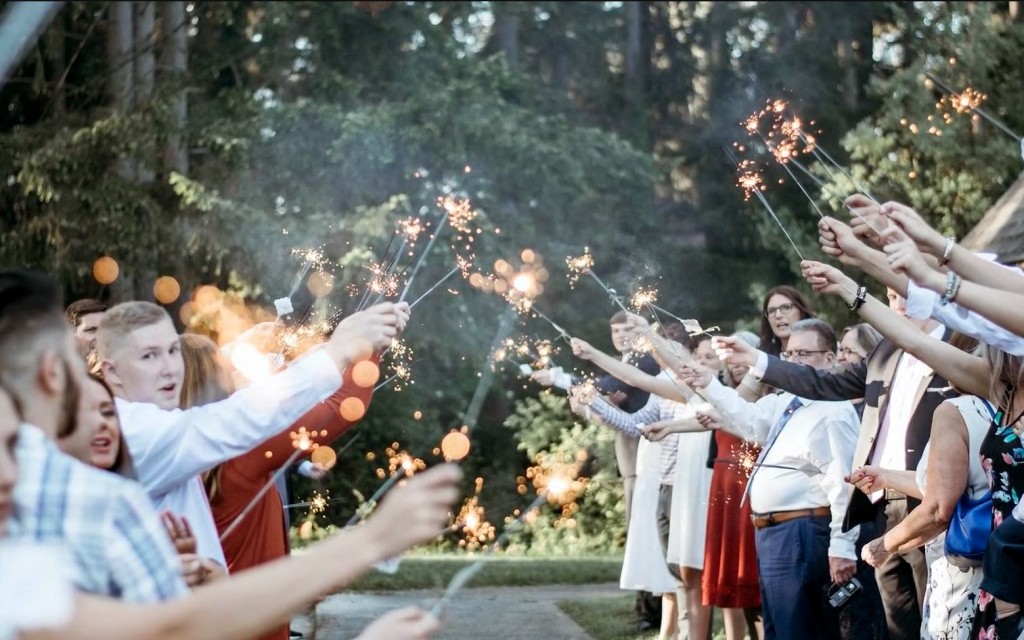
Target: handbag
pixel 970 526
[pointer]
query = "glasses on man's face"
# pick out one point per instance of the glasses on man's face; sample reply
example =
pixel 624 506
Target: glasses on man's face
pixel 850 353
pixel 800 354
pixel 782 308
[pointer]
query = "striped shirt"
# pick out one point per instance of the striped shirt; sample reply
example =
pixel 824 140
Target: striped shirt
pixel 114 534
pixel 656 409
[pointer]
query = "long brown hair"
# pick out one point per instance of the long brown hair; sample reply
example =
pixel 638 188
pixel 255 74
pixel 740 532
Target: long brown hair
pixel 206 380
pixel 770 343
pixel 123 464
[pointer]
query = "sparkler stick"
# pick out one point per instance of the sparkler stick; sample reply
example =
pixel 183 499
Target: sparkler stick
pixel 384 384
pixel 821 183
pixel 423 257
pixel 819 152
pixel 263 490
pixel 464 575
pixel 617 299
pixel 438 284
pixel 562 333
pixel 357 517
pixel 768 207
pixel 976 109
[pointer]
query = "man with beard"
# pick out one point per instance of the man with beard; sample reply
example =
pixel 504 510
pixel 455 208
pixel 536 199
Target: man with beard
pixel 108 524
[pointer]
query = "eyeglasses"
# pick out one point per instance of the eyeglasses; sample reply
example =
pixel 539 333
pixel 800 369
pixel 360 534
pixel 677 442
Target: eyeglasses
pixel 800 353
pixel 850 352
pixel 783 308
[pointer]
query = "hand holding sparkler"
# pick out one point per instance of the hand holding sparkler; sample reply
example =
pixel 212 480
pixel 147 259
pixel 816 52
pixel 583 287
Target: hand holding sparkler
pixel 839 241
pixel 358 335
pixel 825 278
pixel 904 257
pixel 696 376
pixel 415 510
pixel 866 218
pixel 734 351
pixel 659 430
pixel 408 623
pixel 928 240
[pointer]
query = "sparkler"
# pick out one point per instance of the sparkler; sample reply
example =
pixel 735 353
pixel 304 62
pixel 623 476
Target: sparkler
pixel 768 207
pixel 436 285
pixel 401 465
pixel 302 440
pixel 584 264
pixel 970 100
pixel 423 257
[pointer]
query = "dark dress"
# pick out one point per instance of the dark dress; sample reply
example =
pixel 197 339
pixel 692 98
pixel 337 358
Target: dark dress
pixel 1002 458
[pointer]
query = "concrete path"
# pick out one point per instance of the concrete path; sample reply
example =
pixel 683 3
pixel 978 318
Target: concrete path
pixel 509 613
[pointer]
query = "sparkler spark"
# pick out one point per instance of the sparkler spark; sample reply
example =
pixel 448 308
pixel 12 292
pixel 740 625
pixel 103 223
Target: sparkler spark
pixel 643 298
pixel 579 265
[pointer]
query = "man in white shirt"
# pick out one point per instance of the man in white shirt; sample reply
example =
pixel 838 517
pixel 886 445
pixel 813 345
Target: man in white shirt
pixel 900 395
pixel 141 358
pixel 796 488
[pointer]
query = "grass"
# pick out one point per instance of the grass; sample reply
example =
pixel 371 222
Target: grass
pixel 434 572
pixel 613 618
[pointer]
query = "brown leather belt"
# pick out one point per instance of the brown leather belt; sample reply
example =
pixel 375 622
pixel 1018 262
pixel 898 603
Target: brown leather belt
pixel 768 519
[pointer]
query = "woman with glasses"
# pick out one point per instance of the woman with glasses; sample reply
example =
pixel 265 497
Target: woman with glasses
pixel 857 341
pixel 781 308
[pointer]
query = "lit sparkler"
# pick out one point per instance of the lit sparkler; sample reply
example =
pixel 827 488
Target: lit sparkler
pixel 302 440
pixel 768 207
pixel 644 297
pixel 584 264
pixel 970 100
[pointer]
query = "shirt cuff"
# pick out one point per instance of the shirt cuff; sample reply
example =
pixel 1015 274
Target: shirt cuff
pixel 560 378
pixel 844 546
pixel 305 467
pixel 760 366
pixel 921 302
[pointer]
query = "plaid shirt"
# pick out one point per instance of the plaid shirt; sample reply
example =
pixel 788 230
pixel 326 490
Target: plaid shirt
pixel 120 549
pixel 655 410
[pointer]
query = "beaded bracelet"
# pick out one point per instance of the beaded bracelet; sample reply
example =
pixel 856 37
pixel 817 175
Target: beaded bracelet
pixel 953 282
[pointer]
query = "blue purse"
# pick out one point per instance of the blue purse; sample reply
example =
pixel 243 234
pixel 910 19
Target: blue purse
pixel 971 524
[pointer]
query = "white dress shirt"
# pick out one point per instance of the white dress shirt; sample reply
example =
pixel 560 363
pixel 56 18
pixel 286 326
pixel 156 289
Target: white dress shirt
pixel 37 590
pixel 171 448
pixel 806 465
pixel 890 450
pixel 924 303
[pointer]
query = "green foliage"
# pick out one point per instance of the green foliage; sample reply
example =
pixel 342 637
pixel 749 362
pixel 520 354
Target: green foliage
pixel 596 520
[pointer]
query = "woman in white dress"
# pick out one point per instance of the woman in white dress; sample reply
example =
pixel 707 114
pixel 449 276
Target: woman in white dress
pixel 950 467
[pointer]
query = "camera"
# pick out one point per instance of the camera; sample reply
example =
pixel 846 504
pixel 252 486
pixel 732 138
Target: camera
pixel 839 595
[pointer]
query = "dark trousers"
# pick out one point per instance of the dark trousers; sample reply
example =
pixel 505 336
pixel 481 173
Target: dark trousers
pixel 863 617
pixel 902 580
pixel 792 558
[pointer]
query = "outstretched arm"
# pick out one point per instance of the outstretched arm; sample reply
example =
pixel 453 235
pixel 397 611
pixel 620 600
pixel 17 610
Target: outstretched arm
pixel 629 374
pixel 256 600
pixel 966 372
pixel 964 262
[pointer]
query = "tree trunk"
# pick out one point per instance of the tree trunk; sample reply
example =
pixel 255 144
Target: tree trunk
pixel 634 52
pixel 119 52
pixel 55 51
pixel 506 33
pixel 145 68
pixel 1013 10
pixel 174 65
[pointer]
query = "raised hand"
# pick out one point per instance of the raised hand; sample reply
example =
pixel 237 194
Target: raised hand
pixel 408 623
pixel 839 241
pixel 696 377
pixel 927 239
pixel 865 217
pixel 374 329
pixel 416 509
pixel 733 351
pixel 904 257
pixel 827 279
pixel 709 419
pixel 582 349
pixel 180 532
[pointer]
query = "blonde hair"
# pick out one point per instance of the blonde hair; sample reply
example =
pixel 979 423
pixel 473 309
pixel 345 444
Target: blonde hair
pixel 1006 377
pixel 206 380
pixel 121 320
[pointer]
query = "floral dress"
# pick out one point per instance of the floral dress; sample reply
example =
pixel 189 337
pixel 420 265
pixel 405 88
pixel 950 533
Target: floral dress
pixel 1002 458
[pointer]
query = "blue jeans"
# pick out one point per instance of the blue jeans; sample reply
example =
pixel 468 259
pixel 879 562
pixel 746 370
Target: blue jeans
pixel 792 558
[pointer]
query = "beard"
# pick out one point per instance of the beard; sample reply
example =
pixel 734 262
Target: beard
pixel 69 404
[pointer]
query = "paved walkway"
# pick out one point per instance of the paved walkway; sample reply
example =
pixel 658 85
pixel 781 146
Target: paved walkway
pixel 509 613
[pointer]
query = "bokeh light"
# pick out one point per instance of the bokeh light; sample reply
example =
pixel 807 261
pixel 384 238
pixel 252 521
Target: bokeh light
pixel 105 270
